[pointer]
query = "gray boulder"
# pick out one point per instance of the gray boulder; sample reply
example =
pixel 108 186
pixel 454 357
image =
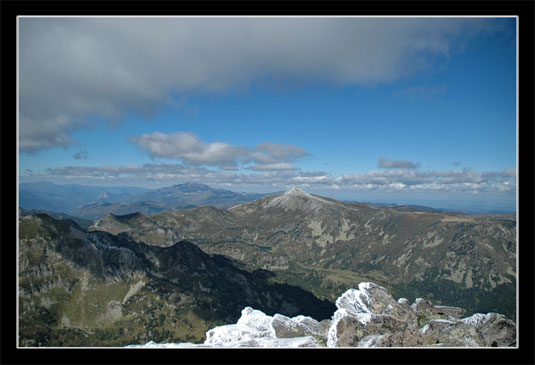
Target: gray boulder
pixel 370 317
pixel 496 329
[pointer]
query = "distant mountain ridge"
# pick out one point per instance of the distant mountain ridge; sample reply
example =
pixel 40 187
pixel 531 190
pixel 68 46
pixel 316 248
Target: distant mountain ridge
pixel 69 197
pixel 94 202
pixel 90 202
pixel 463 210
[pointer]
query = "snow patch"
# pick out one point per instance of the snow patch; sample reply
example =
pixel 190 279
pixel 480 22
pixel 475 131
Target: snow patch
pixel 297 191
pixel 370 341
pixel 296 198
pixel 355 301
pixel 477 320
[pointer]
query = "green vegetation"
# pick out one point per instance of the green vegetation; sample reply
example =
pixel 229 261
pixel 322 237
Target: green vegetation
pixel 97 289
pixel 325 283
pixel 501 299
pixel 31 229
pixel 79 289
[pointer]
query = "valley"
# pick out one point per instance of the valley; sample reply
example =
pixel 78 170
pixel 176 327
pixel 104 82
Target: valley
pixel 79 288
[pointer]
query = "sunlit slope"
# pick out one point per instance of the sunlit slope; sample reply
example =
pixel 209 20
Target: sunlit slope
pixel 325 245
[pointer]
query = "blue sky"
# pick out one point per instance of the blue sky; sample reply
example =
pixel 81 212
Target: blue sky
pixel 376 109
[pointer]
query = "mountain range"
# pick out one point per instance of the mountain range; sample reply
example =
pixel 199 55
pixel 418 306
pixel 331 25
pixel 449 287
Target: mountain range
pixel 80 288
pixel 325 245
pixel 91 202
pixel 172 275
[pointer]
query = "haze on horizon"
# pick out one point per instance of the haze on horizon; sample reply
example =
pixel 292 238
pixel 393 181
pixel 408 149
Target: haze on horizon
pixel 380 109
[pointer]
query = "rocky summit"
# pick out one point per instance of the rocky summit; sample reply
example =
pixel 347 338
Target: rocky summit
pixel 365 317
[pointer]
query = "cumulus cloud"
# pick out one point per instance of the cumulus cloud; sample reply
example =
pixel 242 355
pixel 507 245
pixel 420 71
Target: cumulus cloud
pixel 190 149
pixel 73 68
pixel 385 163
pixel 458 176
pixel 271 153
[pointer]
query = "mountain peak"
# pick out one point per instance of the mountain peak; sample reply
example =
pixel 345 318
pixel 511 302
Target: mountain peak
pixel 297 199
pixel 296 191
pixel 187 186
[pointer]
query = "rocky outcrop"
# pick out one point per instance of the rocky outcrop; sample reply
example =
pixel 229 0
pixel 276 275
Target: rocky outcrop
pixel 370 317
pixel 366 317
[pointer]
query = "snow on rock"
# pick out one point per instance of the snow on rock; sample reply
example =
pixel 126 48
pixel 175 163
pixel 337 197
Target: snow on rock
pixel 477 320
pixel 496 329
pixel 297 326
pixel 256 329
pixel 366 317
pixel 370 341
pixel 253 324
pixel 296 198
pixel 355 303
pixel 255 320
pixel 152 344
pixel 296 191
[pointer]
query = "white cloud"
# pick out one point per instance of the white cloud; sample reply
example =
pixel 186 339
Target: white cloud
pixel 190 149
pixel 273 167
pixel 271 153
pixel 401 180
pixel 73 68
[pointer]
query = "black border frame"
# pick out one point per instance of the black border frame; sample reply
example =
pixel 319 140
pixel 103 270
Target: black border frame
pixel 525 11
